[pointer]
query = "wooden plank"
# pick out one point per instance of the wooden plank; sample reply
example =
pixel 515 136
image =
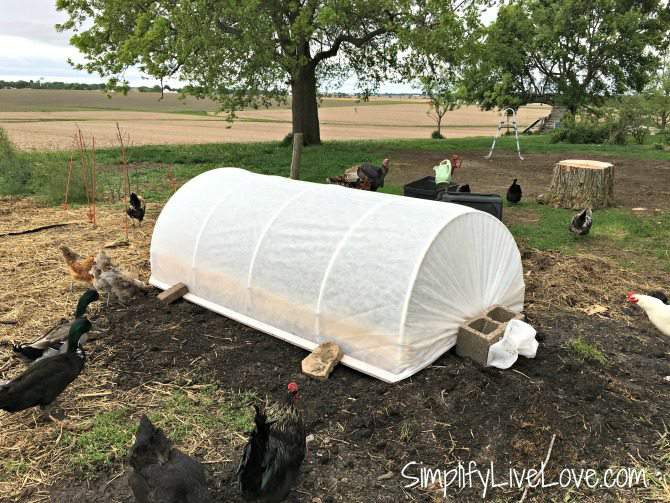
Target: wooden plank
pixel 295 159
pixel 175 292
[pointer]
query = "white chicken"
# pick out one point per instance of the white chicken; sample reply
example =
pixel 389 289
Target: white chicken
pixel 657 312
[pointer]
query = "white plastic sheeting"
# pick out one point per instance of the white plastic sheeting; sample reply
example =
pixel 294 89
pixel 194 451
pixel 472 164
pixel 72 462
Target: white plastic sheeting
pixel 387 278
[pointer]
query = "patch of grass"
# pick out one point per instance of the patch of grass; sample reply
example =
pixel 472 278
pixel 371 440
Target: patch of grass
pixel 184 413
pixel 585 351
pixel 618 233
pixel 106 442
pixel 14 169
pixel 195 412
pixel 13 468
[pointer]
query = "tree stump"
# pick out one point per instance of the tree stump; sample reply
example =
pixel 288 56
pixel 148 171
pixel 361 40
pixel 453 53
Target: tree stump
pixel 580 184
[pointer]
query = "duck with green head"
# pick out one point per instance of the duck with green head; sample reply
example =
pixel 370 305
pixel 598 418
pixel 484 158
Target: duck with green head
pixel 55 340
pixel 43 381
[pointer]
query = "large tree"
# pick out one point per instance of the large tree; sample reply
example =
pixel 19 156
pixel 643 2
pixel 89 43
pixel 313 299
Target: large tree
pixel 250 52
pixel 568 52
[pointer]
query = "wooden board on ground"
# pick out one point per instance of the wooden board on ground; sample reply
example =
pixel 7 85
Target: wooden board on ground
pixel 578 184
pixel 175 292
pixel 321 362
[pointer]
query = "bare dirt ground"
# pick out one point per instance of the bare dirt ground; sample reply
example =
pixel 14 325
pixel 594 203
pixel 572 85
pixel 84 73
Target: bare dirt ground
pixel 603 415
pixel 54 130
pixel 638 183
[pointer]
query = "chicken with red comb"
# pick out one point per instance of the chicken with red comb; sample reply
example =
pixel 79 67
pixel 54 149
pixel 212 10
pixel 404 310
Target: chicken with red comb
pixel 656 310
pixel 274 452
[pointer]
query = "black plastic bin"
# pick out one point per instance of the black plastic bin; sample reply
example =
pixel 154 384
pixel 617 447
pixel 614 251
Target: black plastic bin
pixel 424 188
pixel 490 203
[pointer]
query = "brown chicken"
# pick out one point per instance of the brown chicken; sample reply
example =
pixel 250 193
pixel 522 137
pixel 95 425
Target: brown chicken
pixel 78 266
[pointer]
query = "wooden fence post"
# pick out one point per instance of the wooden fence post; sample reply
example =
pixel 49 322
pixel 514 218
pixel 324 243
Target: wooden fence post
pixel 295 159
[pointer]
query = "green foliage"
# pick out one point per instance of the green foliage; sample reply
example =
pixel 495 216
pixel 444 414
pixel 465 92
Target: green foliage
pixel 567 52
pixel 14 170
pixel 587 130
pixel 250 53
pixel 48 180
pixel 436 135
pixel 585 351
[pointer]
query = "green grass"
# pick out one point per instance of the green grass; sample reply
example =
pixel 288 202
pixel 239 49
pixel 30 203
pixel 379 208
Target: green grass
pixel 318 162
pixel 200 411
pixel 585 351
pixel 626 236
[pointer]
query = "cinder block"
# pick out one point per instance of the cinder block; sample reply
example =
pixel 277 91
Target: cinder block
pixel 477 335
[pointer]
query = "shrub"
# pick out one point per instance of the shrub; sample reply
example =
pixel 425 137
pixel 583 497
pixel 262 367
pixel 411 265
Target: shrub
pixel 588 130
pixel 15 172
pixel 436 135
pixel 49 178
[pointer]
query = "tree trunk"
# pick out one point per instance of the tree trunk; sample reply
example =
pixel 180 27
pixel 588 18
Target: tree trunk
pixel 303 105
pixel 582 184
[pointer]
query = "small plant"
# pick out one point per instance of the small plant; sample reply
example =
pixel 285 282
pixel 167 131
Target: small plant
pixel 408 430
pixel 436 135
pixel 585 351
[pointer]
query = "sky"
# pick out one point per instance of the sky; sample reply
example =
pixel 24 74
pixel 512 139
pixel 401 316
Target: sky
pixel 32 49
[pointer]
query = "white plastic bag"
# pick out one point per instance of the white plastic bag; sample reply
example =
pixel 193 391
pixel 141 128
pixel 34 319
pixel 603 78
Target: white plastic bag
pixel 518 339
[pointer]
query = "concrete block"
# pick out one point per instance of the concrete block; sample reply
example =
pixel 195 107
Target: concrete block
pixel 478 334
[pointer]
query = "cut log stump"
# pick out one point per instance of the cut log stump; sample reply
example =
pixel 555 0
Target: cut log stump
pixel 578 184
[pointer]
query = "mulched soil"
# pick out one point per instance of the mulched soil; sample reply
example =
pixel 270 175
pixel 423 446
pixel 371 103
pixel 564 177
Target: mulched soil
pixel 638 183
pixel 365 431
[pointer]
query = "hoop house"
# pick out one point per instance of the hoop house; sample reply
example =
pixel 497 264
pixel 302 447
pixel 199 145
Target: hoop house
pixel 387 278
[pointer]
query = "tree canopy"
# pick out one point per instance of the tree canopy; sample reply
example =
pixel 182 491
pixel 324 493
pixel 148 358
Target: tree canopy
pixel 567 52
pixel 250 52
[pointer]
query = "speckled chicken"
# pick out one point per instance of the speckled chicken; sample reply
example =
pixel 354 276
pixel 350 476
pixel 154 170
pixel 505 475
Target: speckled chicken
pixel 275 450
pixel 581 223
pixel 161 473
pixel 111 280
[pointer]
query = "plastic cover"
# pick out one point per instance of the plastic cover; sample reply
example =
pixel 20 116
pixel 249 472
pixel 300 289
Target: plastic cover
pixel 387 278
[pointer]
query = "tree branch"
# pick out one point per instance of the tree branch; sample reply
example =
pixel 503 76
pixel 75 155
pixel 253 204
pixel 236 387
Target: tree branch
pixel 355 41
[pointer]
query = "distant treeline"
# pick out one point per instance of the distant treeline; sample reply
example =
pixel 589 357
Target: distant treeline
pixel 36 84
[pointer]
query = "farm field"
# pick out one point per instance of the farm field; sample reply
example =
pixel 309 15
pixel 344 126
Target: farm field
pixel 597 382
pixel 48 123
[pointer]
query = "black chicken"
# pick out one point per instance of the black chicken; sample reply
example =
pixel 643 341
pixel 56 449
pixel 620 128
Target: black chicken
pixel 272 457
pixel 55 340
pixel 42 382
pixel 137 208
pixel 161 473
pixel 514 192
pixel 581 222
